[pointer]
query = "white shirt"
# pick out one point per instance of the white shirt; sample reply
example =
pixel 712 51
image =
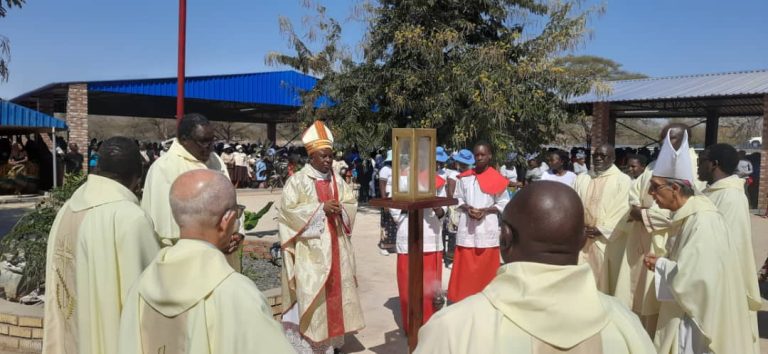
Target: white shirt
pixel 451 174
pixel 510 174
pixel 579 168
pixel 432 229
pixel 386 174
pixel 240 159
pixel 483 233
pixel 744 168
pixel 567 179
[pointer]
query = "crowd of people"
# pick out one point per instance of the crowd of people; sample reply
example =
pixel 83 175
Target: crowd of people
pixel 572 252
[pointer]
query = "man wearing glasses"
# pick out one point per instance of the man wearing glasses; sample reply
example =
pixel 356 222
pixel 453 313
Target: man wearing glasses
pixel 189 299
pixel 191 150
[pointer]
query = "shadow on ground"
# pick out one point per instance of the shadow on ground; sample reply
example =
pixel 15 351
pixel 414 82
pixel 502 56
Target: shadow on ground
pixel 395 341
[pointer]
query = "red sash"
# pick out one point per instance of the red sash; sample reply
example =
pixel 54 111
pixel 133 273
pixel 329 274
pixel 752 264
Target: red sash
pixel 334 308
pixel 490 180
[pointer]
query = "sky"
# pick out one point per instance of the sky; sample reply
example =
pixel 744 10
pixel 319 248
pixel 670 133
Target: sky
pixel 82 40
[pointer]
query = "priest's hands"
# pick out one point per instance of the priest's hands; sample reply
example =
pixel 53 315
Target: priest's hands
pixel 636 213
pixel 650 261
pixel 332 207
pixel 592 232
pixel 234 242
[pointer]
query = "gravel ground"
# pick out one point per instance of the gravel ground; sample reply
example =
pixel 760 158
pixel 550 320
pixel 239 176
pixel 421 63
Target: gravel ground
pixel 264 273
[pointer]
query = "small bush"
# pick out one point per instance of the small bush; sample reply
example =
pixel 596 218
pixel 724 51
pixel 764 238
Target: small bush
pixel 25 245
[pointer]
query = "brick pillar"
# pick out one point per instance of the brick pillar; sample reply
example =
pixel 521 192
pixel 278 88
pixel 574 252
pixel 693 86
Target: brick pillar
pixel 77 118
pixel 762 196
pixel 603 125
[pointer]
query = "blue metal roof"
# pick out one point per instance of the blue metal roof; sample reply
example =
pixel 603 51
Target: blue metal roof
pixel 280 88
pixel 709 85
pixel 15 116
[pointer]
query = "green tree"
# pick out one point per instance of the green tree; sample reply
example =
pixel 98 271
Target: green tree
pixel 5 42
pixel 473 69
pixel 597 67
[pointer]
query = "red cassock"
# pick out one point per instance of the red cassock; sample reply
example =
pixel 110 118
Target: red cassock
pixel 473 269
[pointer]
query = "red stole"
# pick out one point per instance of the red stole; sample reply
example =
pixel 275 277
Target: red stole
pixel 490 180
pixel 333 301
pixel 439 182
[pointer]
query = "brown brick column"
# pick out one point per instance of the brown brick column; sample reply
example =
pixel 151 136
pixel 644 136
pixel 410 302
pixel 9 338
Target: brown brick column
pixel 762 197
pixel 77 118
pixel 603 125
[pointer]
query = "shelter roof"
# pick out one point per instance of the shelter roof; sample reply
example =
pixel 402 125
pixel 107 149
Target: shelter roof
pixel 725 94
pixel 258 97
pixel 20 119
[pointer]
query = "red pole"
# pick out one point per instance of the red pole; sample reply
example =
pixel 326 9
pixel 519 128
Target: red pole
pixel 182 55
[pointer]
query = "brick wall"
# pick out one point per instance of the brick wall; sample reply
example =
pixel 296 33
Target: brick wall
pixel 762 196
pixel 603 127
pixel 21 333
pixel 258 248
pixel 77 117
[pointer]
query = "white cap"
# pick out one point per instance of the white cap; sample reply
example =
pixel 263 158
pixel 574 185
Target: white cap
pixel 674 164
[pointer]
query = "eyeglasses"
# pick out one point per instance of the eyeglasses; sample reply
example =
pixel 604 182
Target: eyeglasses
pixel 654 188
pixel 240 210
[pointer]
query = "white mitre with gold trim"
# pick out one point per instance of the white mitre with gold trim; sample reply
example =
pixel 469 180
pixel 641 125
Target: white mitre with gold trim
pixel 317 137
pixel 673 163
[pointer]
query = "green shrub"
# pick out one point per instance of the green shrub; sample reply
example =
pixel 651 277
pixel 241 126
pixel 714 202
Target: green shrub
pixel 27 241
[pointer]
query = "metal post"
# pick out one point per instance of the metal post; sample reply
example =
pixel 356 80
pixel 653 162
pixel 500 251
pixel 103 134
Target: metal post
pixel 55 173
pixel 182 57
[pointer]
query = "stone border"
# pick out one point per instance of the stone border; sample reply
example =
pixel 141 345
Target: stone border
pixel 21 327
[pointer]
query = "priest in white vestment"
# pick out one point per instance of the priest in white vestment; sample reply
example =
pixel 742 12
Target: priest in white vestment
pixel 190 300
pixel 698 283
pixel 100 242
pixel 191 150
pixel 315 219
pixel 646 231
pixel 541 300
pixel 604 191
pixel 717 165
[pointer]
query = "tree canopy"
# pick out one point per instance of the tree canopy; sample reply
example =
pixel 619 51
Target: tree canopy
pixel 473 69
pixel 5 43
pixel 598 67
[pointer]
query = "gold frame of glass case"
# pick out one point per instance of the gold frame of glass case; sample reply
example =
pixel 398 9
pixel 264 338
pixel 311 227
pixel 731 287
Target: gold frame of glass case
pixel 412 159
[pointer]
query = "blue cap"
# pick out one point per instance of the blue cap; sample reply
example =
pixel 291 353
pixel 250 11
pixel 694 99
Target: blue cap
pixel 441 155
pixel 511 156
pixel 465 156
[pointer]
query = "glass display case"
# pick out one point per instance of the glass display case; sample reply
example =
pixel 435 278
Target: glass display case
pixel 413 164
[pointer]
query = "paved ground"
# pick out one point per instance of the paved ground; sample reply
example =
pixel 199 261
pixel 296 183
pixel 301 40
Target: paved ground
pixel 376 273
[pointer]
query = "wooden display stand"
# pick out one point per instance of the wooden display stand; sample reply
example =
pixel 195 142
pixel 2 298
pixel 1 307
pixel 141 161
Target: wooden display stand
pixel 415 255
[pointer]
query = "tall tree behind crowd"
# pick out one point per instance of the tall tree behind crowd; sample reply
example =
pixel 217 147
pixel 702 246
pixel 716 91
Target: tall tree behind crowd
pixel 5 42
pixel 472 69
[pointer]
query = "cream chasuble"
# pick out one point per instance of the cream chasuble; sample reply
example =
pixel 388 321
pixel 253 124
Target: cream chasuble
pixel 157 191
pixel 99 244
pixel 632 283
pixel 536 308
pixel 604 197
pixel 157 186
pixel 308 253
pixel 190 301
pixel 728 196
pixel 701 285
